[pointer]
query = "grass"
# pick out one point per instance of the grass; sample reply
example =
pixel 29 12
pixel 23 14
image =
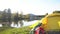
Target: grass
pixel 23 30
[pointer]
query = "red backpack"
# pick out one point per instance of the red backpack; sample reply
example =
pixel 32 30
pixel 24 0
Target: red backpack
pixel 39 30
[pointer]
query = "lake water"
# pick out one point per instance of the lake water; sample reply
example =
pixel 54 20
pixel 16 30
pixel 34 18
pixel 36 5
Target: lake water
pixel 25 23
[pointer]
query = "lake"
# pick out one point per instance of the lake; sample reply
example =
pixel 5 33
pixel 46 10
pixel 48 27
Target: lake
pixel 25 23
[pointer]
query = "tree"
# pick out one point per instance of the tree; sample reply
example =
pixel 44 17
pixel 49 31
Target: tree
pixel 4 19
pixel 21 18
pixel 16 19
pixel 4 16
pixel 9 16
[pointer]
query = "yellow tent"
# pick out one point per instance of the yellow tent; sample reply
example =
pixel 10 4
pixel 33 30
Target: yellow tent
pixel 32 26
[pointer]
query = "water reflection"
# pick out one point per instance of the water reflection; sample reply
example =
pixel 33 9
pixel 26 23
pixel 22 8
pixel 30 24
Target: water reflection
pixel 25 23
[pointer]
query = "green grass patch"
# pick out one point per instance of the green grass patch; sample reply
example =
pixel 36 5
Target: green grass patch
pixel 22 30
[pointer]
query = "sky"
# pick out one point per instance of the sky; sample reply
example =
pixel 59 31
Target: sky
pixel 38 7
